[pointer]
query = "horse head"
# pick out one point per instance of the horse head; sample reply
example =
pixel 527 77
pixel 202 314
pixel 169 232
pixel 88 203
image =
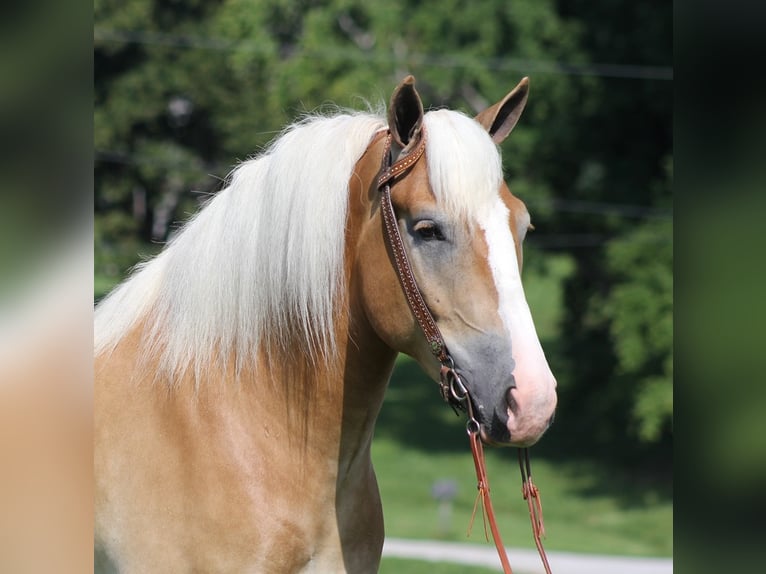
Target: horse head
pixel 462 230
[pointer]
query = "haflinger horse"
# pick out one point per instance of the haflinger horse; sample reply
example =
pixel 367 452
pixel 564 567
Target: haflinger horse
pixel 239 373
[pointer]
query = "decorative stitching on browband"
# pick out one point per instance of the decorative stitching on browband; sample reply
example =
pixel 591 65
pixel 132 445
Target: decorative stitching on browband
pixel 391 172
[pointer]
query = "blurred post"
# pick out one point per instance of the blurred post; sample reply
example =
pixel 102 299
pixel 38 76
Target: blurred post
pixel 444 491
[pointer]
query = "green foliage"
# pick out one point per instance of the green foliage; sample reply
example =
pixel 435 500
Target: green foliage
pixel 640 308
pixel 611 169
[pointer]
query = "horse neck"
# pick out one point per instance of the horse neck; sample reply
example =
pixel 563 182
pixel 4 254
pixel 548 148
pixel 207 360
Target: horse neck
pixel 367 369
pixel 327 409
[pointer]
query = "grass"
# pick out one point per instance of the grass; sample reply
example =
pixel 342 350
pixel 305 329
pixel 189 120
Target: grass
pixel 589 505
pixel 403 566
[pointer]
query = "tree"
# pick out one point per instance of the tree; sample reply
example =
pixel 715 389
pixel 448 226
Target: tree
pixel 614 181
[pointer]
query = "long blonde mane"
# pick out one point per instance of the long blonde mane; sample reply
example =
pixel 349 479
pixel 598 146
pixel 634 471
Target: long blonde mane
pixel 263 260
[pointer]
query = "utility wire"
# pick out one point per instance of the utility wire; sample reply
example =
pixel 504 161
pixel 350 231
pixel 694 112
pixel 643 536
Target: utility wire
pixel 628 71
pixel 601 208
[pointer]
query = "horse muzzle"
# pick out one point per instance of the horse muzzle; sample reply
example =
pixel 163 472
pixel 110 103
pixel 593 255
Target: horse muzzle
pixel 511 416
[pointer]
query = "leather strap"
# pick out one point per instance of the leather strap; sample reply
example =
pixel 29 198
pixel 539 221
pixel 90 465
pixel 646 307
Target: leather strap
pixel 403 268
pixel 532 495
pixel 389 172
pixel 477 450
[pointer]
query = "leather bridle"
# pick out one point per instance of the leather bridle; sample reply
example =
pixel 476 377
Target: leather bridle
pixel 453 390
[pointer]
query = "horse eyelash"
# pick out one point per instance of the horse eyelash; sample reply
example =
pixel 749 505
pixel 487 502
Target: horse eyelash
pixel 429 231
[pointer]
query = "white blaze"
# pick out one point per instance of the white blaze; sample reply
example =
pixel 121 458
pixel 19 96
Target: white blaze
pixel 534 381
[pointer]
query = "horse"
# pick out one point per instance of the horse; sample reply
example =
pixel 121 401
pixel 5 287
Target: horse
pixel 240 372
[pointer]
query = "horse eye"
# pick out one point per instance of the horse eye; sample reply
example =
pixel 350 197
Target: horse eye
pixel 428 230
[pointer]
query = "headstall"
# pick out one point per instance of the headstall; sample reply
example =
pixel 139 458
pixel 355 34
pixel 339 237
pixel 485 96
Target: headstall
pixel 453 389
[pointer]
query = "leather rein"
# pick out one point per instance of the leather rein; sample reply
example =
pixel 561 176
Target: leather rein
pixel 453 390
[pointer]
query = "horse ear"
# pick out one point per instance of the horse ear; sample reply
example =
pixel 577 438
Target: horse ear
pixel 501 118
pixel 405 114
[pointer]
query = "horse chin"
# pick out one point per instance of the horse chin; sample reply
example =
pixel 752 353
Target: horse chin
pixel 505 441
pixel 496 430
pixel 488 440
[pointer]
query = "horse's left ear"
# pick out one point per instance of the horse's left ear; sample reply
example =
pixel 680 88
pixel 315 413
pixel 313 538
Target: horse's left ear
pixel 405 114
pixel 501 118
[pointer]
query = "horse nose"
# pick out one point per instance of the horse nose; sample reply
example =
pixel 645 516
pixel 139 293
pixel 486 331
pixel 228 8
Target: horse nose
pixel 530 414
pixel 510 400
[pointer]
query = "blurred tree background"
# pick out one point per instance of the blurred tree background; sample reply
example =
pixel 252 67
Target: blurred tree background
pixel 186 89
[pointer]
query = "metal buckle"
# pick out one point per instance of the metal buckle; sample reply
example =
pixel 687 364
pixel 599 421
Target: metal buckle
pixel 456 387
pixel 453 390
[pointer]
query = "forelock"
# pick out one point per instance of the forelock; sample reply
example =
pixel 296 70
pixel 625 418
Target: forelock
pixel 464 165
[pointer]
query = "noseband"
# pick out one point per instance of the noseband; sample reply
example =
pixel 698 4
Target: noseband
pixel 453 390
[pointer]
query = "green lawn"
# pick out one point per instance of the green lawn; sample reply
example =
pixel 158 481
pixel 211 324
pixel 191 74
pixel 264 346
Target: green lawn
pixel 402 566
pixel 588 507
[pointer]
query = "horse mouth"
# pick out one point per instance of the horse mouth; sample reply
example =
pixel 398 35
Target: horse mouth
pixel 492 420
pixel 496 431
pixel 499 414
pixel 493 427
pixel 487 439
pixel 496 426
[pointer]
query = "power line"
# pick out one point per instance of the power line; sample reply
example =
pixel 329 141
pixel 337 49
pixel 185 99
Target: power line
pixel 187 42
pixel 557 241
pixel 601 208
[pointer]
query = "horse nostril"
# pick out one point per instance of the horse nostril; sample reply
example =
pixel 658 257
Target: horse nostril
pixel 509 398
